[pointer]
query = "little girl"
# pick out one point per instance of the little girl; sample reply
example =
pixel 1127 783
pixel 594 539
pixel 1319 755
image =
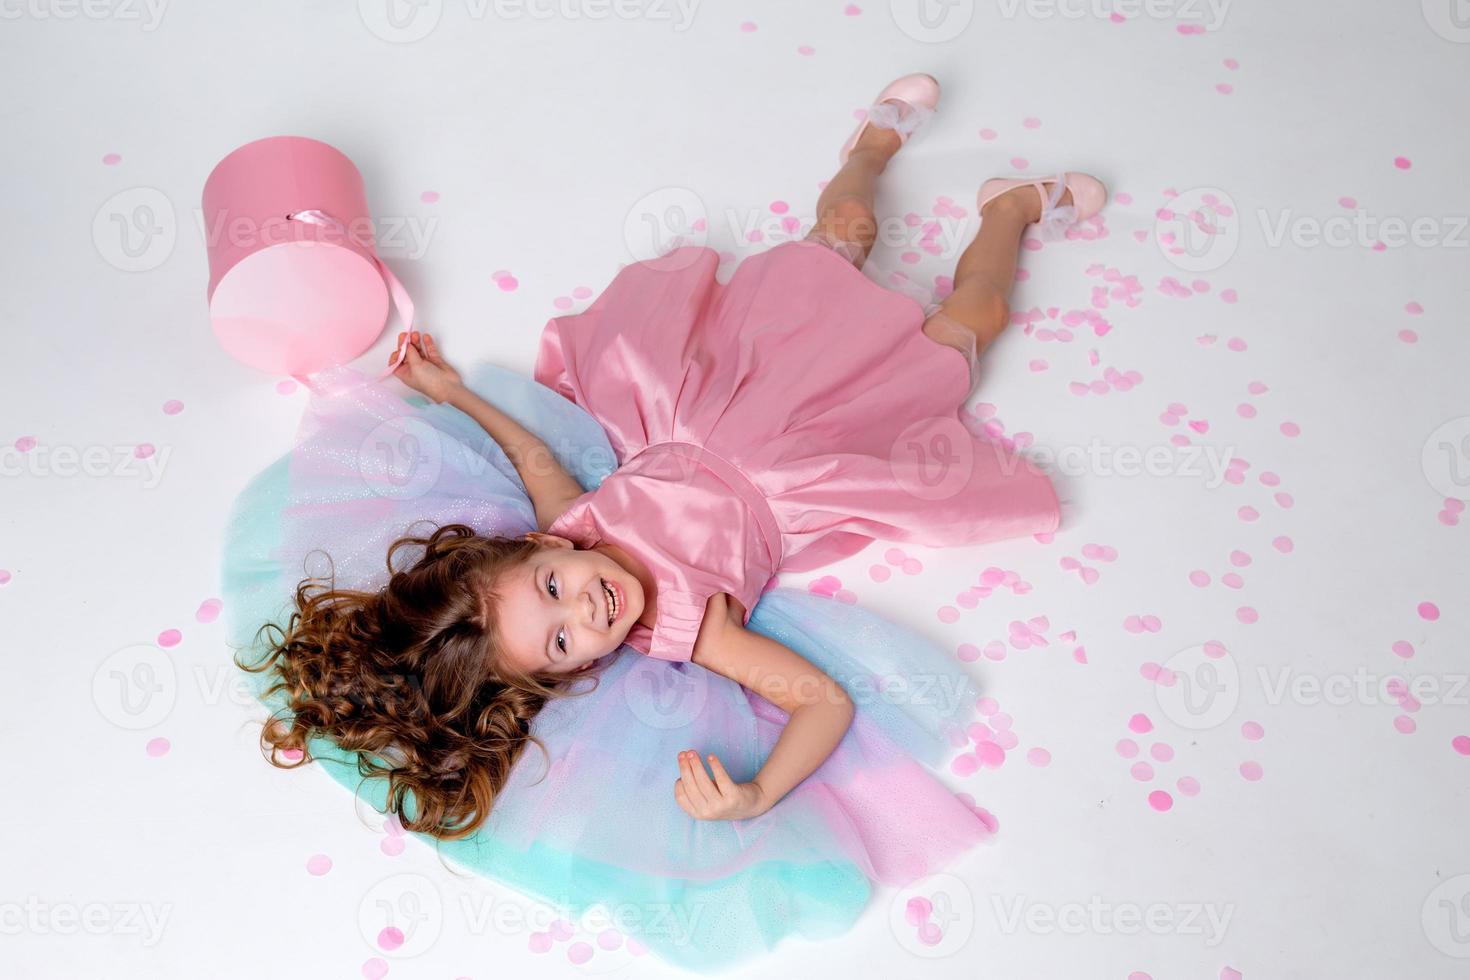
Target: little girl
pixel 778 422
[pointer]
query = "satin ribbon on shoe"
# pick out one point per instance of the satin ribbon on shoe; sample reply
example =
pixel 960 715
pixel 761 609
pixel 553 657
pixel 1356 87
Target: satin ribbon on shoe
pixel 1054 220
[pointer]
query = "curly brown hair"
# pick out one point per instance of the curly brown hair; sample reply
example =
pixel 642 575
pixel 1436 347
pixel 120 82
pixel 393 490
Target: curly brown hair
pixel 410 673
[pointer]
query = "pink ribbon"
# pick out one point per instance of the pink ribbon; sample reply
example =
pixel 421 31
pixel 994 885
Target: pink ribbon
pixel 401 302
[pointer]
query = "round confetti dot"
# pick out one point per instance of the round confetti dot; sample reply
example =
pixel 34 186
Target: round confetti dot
pixel 539 942
pixel 375 968
pixel 1142 771
pixel 805 50
pixel 1199 578
pixel 1188 785
pixel 173 407
pixel 987 706
pixel 579 953
pixel 1403 648
pixel 157 747
pixel 1247 615
pixel 1248 513
pixel 1461 744
pixel 429 197
pixel 1405 724
pixel 4 577
pixel 391 846
pixel 1140 724
pixel 1429 611
pixel 1039 757
pixel 1252 730
pixel 169 638
pixel 988 134
pixel 318 865
pixel 1251 770
pixel 748 26
pixel 1403 163
pixel 1160 800
pixel 989 755
pixel 1161 751
pixel 208 610
pixel 1408 336
pixel 1127 748
pixel 1031 122
pixel 390 938
pixel 1283 544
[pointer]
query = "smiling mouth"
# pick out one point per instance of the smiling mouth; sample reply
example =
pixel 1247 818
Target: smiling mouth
pixel 614 606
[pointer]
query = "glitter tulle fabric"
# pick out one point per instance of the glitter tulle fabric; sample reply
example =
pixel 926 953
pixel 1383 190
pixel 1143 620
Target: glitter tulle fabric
pixel 599 826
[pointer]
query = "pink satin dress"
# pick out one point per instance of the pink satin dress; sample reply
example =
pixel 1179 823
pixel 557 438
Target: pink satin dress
pixel 778 422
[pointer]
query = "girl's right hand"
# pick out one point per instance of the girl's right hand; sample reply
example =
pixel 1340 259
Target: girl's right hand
pixel 424 368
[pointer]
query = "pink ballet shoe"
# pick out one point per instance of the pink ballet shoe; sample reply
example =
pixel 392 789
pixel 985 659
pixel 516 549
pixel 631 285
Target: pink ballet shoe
pixel 920 92
pixel 1088 197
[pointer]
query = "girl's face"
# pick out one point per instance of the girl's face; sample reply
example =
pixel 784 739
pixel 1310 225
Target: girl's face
pixel 556 614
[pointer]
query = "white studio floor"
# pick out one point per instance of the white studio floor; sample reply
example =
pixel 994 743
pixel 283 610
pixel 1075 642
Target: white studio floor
pixel 1238 689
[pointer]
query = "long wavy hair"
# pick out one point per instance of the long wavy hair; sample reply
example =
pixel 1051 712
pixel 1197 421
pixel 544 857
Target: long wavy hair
pixel 411 673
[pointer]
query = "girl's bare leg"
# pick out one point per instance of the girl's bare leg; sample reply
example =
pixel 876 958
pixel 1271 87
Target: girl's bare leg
pixel 980 303
pixel 845 219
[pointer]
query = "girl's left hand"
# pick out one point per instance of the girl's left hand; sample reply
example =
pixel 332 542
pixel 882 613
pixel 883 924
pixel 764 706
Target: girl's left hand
pixel 719 799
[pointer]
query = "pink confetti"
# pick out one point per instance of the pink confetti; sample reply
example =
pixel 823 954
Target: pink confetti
pixel 1252 730
pixel 1039 757
pixel 169 638
pixel 1188 785
pixel 318 865
pixel 1403 163
pixel 429 197
pixel 1160 800
pixel 1251 770
pixel 157 747
pixel 1429 611
pixel 1461 744
pixel 1139 724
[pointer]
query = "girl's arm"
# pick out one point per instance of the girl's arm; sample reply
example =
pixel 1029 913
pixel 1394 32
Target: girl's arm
pixel 820 712
pixel 550 487
pixel 425 369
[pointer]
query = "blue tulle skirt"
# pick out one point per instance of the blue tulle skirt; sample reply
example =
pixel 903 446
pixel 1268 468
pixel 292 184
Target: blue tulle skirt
pixel 599 827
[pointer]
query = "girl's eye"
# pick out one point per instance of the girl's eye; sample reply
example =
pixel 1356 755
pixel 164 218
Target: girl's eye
pixel 561 643
pixel 551 587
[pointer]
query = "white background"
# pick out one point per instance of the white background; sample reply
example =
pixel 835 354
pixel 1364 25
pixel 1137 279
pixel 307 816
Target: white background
pixel 541 135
